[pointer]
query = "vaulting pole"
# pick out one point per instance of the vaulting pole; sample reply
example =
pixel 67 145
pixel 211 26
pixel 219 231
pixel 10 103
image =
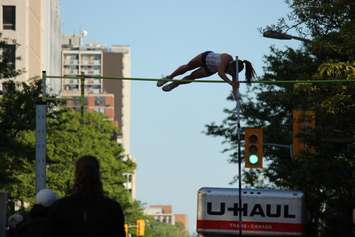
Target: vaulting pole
pixel 237 108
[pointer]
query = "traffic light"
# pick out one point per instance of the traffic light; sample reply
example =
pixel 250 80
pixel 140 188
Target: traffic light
pixel 140 227
pixel 302 120
pixel 126 229
pixel 253 150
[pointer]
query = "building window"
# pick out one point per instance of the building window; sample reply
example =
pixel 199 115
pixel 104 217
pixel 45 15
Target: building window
pixel 100 101
pixel 9 55
pixel 9 17
pixel 99 110
pixel 77 101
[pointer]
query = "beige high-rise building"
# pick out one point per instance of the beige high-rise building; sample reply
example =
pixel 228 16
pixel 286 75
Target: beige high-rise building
pixel 35 26
pixel 110 97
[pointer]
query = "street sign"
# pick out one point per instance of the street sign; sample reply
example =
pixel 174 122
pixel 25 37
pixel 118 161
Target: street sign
pixel 264 212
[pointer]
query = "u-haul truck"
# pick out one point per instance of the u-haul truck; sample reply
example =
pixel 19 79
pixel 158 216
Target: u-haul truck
pixel 264 212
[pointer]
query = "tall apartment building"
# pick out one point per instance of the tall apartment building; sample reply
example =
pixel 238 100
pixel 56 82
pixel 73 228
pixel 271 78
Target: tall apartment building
pixel 117 63
pixel 110 97
pixel 35 26
pixel 77 59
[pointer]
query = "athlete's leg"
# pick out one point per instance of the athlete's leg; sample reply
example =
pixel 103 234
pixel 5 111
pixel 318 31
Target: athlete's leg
pixel 194 63
pixel 198 73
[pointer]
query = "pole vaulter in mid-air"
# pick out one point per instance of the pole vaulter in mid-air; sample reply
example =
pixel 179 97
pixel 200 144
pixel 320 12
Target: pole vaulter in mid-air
pixel 207 64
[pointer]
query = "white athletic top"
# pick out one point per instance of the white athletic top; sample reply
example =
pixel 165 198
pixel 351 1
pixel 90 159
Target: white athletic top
pixel 212 61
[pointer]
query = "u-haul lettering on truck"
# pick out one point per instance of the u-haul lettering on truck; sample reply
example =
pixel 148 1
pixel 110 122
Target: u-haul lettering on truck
pixel 266 210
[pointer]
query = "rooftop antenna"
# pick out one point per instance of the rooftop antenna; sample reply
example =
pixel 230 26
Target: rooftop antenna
pixel 83 34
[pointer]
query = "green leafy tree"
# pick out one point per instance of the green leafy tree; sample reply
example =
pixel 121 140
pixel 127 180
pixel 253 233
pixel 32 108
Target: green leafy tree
pixel 15 113
pixel 337 70
pixel 327 176
pixel 158 229
pixel 17 116
pixel 68 137
pixel 7 69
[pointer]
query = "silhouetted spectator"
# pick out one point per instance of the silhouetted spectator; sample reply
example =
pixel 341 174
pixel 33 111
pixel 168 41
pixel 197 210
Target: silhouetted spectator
pixel 13 222
pixel 87 212
pixel 36 222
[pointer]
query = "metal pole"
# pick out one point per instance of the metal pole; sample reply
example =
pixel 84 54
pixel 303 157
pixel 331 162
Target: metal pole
pixel 41 110
pixel 237 100
pixel 3 208
pixel 82 95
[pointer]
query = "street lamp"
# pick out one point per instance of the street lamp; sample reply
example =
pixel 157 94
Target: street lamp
pixel 283 36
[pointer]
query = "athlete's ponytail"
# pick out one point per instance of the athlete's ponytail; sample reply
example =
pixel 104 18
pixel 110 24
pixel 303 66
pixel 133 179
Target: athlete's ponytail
pixel 249 71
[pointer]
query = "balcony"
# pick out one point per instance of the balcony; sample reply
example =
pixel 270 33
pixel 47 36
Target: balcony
pixel 71 72
pixel 92 72
pixel 71 81
pixel 97 62
pixel 71 62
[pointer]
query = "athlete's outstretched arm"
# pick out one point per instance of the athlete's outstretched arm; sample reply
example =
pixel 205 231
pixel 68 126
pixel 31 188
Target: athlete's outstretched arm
pixel 225 59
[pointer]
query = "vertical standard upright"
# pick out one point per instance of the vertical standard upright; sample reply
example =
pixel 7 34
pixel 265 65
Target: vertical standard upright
pixel 41 110
pixel 82 95
pixel 237 108
pixel 3 208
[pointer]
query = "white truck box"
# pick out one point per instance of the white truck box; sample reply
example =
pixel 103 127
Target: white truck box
pixel 264 212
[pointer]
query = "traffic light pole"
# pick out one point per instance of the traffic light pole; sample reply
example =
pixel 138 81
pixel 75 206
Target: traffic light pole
pixel 237 108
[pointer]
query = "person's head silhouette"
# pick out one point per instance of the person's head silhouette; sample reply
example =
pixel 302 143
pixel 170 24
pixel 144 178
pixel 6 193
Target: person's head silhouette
pixel 87 177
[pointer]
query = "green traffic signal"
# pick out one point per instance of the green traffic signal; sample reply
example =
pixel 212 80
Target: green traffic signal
pixel 253 159
pixel 253 152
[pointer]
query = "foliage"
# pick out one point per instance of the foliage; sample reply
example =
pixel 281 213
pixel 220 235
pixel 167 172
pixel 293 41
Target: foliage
pixel 68 137
pixel 343 70
pixel 155 229
pixel 7 70
pixel 326 176
pixel 17 118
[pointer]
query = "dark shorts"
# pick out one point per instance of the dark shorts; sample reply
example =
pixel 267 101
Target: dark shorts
pixel 204 55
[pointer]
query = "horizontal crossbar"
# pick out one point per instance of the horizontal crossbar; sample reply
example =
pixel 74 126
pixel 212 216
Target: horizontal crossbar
pixel 78 77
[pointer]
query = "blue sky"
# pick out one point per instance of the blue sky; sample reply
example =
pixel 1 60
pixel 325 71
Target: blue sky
pixel 174 157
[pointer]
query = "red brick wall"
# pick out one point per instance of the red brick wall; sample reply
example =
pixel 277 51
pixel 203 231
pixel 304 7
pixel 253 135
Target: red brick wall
pixel 91 101
pixel 109 101
pixel 109 112
pixel 182 218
